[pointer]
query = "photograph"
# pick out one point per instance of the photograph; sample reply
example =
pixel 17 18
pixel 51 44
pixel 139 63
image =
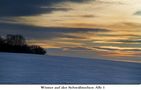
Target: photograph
pixel 70 42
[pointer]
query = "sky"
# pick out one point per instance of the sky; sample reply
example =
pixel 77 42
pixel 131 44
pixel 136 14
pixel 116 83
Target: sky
pixel 100 28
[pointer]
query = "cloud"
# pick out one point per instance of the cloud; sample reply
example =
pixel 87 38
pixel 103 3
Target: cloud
pixel 35 32
pixel 130 41
pixel 116 49
pixel 10 8
pixel 137 13
pixel 111 2
pixel 19 7
pixel 77 49
pixel 77 13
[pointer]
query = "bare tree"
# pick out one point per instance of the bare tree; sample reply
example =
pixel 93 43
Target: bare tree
pixel 1 40
pixel 15 40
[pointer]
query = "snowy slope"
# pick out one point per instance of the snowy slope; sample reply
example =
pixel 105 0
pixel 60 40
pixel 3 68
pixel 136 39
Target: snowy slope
pixel 38 69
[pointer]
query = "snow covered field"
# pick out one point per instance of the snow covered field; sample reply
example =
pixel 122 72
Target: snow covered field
pixel 38 69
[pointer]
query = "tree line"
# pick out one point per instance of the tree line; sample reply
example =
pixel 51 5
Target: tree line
pixel 17 44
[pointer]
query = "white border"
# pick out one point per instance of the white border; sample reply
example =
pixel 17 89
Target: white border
pixel 70 87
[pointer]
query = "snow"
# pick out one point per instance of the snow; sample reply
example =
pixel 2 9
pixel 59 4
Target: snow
pixel 38 69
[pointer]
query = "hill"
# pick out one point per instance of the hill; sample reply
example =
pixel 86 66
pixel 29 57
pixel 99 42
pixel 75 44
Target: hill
pixel 38 69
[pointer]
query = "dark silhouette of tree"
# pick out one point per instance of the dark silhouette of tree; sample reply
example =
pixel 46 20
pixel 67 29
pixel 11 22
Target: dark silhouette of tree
pixel 37 49
pixel 1 40
pixel 15 40
pixel 17 44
